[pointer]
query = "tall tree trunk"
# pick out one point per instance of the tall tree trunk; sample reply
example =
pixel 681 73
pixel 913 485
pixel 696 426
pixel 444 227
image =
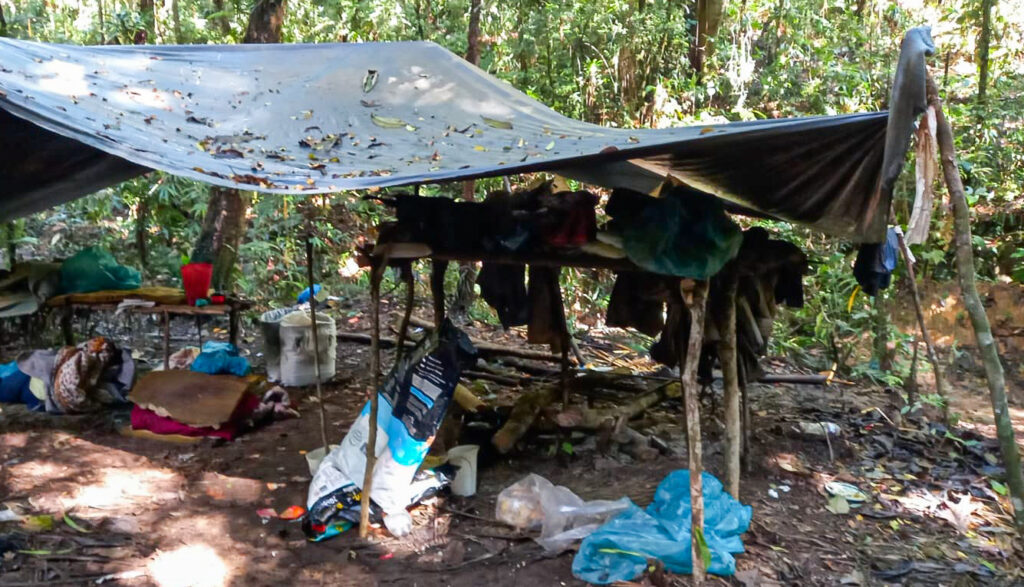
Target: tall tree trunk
pixel 984 40
pixel 176 21
pixel 976 310
pixel 881 326
pixel 709 19
pixel 3 22
pixel 225 223
pixel 147 11
pixel 103 21
pixel 222 20
pixel 464 292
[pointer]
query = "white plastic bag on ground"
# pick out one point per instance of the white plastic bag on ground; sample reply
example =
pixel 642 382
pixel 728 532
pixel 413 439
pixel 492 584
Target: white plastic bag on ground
pixel 563 517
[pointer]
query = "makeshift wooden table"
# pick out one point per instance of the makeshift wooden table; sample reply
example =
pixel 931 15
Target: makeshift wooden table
pixel 166 302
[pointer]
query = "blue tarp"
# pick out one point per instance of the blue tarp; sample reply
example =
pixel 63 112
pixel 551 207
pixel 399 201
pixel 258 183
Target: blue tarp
pixel 619 550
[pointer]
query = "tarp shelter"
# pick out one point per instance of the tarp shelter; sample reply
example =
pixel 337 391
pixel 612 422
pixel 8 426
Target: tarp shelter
pixel 324 118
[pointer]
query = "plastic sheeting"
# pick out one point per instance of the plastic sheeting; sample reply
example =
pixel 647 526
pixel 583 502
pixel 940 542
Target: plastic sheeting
pixel 324 118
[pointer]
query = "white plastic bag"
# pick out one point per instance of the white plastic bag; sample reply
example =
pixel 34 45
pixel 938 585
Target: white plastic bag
pixel 563 518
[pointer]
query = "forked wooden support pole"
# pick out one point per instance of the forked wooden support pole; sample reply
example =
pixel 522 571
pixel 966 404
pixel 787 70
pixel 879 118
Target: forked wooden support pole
pixel 695 295
pixel 976 310
pixel 730 385
pixel 315 333
pixel 376 274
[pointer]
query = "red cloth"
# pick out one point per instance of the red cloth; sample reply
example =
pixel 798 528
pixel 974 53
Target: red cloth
pixel 143 419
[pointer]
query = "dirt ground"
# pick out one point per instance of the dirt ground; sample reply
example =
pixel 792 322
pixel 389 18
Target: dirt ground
pixel 144 512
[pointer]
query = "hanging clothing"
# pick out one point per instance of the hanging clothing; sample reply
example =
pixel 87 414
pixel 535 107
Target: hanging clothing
pixel 638 301
pixel 547 313
pixel 876 262
pixel 503 287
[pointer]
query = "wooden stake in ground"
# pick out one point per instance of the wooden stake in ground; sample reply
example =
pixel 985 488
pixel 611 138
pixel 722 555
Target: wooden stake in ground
pixel 437 269
pixel 410 298
pixel 976 310
pixel 376 274
pixel 730 386
pixel 314 330
pixel 940 386
pixel 696 299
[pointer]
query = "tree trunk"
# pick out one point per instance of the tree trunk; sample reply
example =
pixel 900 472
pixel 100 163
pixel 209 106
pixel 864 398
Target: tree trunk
pixel 881 326
pixel 147 10
pixel 709 19
pixel 223 229
pixel 984 40
pixel 473 34
pixel 976 310
pixel 176 21
pixel 464 292
pixel 222 20
pixel 103 21
pixel 141 230
pixel 225 223
pixel 3 22
pixel 730 387
pixel 691 401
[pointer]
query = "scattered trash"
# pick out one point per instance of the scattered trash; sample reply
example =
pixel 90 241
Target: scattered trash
pixel 41 523
pixel 220 358
pixel 817 428
pixel 9 516
pixel 293 513
pixel 838 505
pixel 773 494
pixel 464 457
pixel 387 556
pixel 412 404
pixel 849 492
pixel 267 513
pixel 562 516
pixel 619 550
pixel 316 456
pixel 784 488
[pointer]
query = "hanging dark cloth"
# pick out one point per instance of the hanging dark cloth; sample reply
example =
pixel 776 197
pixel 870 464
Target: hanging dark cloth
pixel 547 314
pixel 638 301
pixel 875 264
pixel 503 287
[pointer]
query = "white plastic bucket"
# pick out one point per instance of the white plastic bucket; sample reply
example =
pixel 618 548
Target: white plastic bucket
pixel 298 358
pixel 270 324
pixel 464 457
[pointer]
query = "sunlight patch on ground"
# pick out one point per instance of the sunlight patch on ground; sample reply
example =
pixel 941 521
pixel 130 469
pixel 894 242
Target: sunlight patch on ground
pixel 116 486
pixel 196 565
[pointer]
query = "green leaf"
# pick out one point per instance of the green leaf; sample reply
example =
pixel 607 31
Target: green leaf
pixel 702 545
pixel 389 122
pixel 74 525
pixel 838 505
pixel 567 448
pixel 493 122
pixel 998 487
pixel 369 81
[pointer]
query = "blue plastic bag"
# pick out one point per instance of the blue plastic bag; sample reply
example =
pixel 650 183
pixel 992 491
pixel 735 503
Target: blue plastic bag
pixel 220 358
pixel 303 296
pixel 619 550
pixel 14 387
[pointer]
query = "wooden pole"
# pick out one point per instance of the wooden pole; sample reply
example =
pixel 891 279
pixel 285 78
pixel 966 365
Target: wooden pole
pixel 410 298
pixel 167 341
pixel 376 273
pixel 437 269
pixel 315 332
pixel 976 310
pixel 730 386
pixel 940 385
pixel 696 299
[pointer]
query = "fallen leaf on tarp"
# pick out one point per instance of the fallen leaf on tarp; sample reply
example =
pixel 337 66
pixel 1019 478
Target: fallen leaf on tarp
pixel 506 124
pixel 389 122
pixel 293 513
pixel 267 513
pixel 369 80
pixel 74 525
pixel 838 505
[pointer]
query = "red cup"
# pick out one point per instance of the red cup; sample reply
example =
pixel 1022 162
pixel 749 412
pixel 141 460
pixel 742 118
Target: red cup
pixel 195 278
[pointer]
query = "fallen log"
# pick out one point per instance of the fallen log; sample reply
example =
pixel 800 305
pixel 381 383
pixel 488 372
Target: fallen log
pixel 526 410
pixel 582 418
